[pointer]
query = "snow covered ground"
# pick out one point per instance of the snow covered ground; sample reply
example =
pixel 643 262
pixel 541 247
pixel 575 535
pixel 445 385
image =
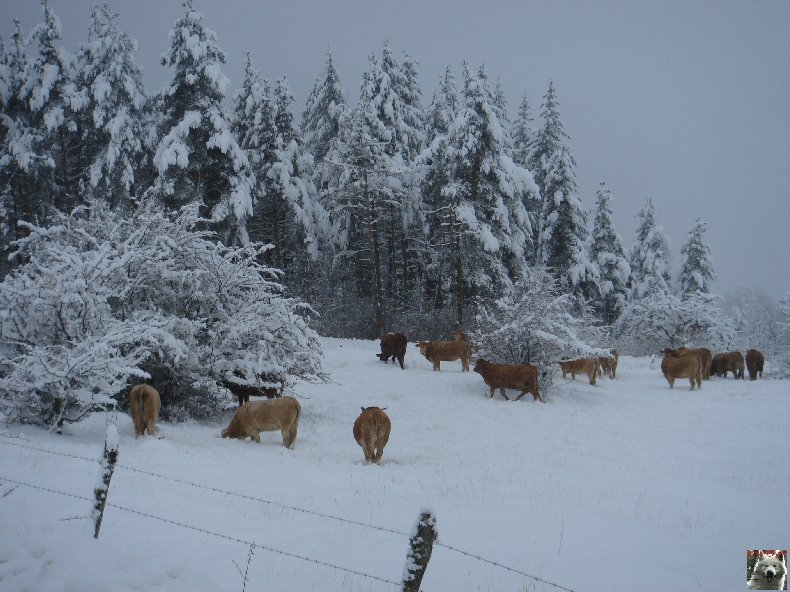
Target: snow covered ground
pixel 627 485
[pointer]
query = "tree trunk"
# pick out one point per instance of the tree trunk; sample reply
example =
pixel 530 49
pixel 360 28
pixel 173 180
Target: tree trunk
pixel 373 244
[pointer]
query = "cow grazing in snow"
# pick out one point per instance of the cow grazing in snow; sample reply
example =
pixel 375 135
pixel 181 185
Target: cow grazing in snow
pixel 728 362
pixel 144 404
pixel 271 415
pixel 393 345
pixel 754 363
pixel 522 377
pixel 372 431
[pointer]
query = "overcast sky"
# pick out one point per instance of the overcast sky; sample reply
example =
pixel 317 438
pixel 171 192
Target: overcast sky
pixel 686 102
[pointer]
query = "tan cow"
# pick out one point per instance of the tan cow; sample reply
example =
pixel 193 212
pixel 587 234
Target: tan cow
pixel 754 363
pixel 144 404
pixel 704 355
pixel 523 377
pixel 728 362
pixel 607 366
pixel 588 366
pixel 675 366
pixel 372 431
pixel 437 352
pixel 269 415
pixel 393 345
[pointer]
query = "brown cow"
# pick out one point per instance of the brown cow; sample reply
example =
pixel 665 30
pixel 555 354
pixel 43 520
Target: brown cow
pixel 372 431
pixel 437 352
pixel 393 345
pixel 523 377
pixel 588 366
pixel 728 362
pixel 704 355
pixel 255 417
pixel 754 363
pixel 144 404
pixel 681 366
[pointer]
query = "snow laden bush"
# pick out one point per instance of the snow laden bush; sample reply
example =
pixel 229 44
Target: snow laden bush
pixel 654 322
pixel 103 296
pixel 537 324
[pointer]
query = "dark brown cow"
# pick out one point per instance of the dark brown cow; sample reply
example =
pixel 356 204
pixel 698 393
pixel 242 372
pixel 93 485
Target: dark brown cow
pixel 754 363
pixel 393 345
pixel 241 388
pixel 728 362
pixel 522 377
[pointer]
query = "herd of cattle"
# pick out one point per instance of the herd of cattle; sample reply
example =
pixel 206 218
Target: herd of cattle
pixel 372 427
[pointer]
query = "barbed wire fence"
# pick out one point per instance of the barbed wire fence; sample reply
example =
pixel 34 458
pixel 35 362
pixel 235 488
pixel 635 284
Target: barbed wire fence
pixel 6 440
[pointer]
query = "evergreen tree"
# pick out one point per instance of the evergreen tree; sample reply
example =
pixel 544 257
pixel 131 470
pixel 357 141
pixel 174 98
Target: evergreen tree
pixel 522 140
pixel 25 167
pixel 322 118
pixel 253 125
pixel 607 253
pixel 198 158
pixel 438 236
pixel 650 256
pixel 114 127
pixel 696 270
pixel 485 223
pixel 564 228
pixel 413 115
pixel 547 144
pixel 522 134
pixel 563 219
pixel 355 204
pixel 55 103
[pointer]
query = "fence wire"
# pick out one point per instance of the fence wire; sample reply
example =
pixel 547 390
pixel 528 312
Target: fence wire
pixel 438 543
pixel 206 531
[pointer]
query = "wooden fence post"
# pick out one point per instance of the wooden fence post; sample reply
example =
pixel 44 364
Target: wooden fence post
pixel 103 482
pixel 420 548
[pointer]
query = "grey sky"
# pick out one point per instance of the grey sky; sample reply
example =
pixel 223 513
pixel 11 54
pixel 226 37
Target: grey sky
pixel 687 102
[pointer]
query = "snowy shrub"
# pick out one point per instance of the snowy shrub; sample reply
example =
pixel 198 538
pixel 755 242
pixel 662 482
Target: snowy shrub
pixel 650 324
pixel 105 296
pixel 537 324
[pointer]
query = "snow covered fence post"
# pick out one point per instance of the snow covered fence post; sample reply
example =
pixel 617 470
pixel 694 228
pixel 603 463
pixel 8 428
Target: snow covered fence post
pixel 103 482
pixel 420 547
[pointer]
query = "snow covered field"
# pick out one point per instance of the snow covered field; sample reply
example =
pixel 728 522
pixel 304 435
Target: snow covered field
pixel 627 485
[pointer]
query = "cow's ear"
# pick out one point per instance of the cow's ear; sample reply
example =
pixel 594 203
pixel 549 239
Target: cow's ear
pixel 383 408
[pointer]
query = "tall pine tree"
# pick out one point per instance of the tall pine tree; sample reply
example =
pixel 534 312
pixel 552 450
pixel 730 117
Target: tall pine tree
pixel 563 220
pixel 607 253
pixel 198 158
pixel 114 126
pixel 696 268
pixel 650 256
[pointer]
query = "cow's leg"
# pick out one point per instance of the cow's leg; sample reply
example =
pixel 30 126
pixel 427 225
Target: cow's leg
pixel 491 396
pixel 367 448
pixel 255 436
pixel 502 390
pixel 400 360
